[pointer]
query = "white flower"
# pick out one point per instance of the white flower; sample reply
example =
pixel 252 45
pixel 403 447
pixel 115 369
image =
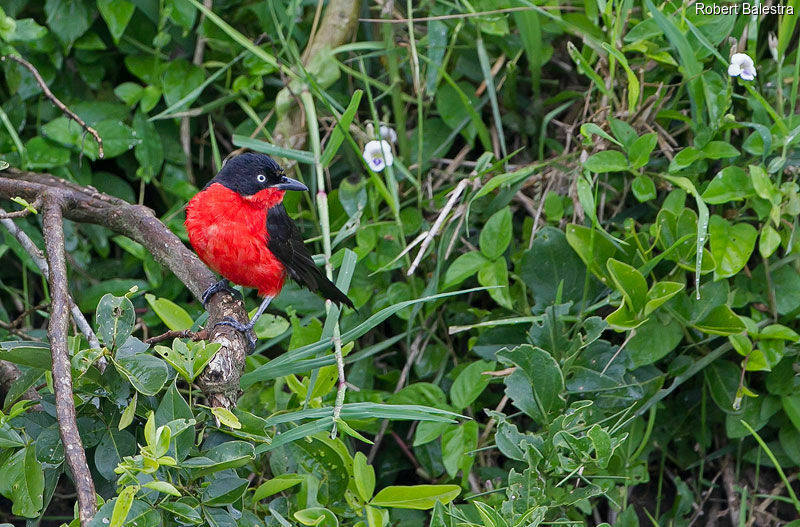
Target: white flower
pixel 378 155
pixel 742 66
pixel 388 133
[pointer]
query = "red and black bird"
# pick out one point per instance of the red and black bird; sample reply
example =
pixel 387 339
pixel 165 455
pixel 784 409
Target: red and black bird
pixel 238 226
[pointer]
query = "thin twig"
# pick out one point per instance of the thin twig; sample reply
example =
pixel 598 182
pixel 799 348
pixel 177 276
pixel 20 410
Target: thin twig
pixel 37 257
pixel 60 105
pixel 178 334
pixel 438 224
pixel 62 373
pixel 22 213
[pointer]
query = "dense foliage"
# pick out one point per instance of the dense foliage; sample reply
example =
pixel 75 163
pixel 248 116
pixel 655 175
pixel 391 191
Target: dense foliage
pixel 602 328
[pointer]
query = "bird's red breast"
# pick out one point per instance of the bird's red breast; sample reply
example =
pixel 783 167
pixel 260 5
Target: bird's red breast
pixel 229 233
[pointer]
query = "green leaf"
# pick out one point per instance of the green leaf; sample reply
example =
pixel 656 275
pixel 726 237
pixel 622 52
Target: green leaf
pixel 224 491
pixel 163 487
pixel 791 405
pixel 146 373
pixel 181 12
pixel 115 318
pixel 364 476
pixel 117 14
pixel 607 161
pixel 684 158
pixel 127 416
pixel 172 315
pixel 226 417
pixel 593 248
pixel 730 184
pixel 588 129
pixel 114 445
pixel 630 282
pixel 721 320
pixel 277 484
pixel 420 497
pixel 542 381
pixel 27 353
pixel 660 293
pixel 768 241
pixel 470 383
pixel 653 340
pixel 149 152
pixel 317 517
pixel 462 268
pixel 643 188
pixel 232 454
pixel 27 484
pixel 640 150
pixel 719 150
pixel 122 506
pixel 731 245
pixel 68 19
pixel 551 268
pixel 496 234
pixel 494 274
pixel 456 445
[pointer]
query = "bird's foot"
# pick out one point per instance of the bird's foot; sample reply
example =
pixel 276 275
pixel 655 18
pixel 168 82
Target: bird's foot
pixel 245 329
pixel 222 285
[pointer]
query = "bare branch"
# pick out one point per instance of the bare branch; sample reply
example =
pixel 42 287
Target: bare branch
pixel 179 334
pixel 220 380
pixel 60 105
pixel 57 330
pixel 21 213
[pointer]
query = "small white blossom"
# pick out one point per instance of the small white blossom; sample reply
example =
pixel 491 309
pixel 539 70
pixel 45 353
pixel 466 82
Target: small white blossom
pixel 742 66
pixel 388 133
pixel 378 155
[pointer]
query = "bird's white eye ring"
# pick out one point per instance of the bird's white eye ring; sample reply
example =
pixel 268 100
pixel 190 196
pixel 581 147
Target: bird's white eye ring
pixel 261 178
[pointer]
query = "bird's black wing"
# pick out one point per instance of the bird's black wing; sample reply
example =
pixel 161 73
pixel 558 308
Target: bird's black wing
pixel 287 245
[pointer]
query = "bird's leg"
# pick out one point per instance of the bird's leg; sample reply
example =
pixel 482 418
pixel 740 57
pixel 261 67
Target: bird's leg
pixel 247 329
pixel 222 285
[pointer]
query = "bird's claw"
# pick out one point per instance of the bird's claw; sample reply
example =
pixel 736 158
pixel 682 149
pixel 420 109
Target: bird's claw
pixel 245 329
pixel 222 285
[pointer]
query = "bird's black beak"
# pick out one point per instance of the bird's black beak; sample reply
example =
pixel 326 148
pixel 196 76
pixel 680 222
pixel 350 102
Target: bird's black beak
pixel 288 183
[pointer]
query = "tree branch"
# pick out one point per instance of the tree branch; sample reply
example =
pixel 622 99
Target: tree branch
pixel 55 100
pixel 21 213
pixel 57 331
pixel 220 381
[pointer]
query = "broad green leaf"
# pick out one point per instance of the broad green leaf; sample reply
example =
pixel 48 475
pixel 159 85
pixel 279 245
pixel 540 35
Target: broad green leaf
pixel 456 445
pixel 494 275
pixel 496 234
pixel 607 161
pixel 122 506
pixel 226 417
pixel 768 241
pixel 117 14
pixel 145 372
pixel 721 320
pixel 172 315
pixel 27 353
pixel 224 491
pixel 640 150
pixel 660 293
pixel 593 248
pixel 731 245
pixel 421 497
pixel 364 476
pixel 791 405
pixel 277 484
pixel 718 150
pixel 643 188
pixel 470 383
pixel 545 381
pixel 630 283
pixel 114 445
pixel 317 517
pixel 463 267
pixel 730 184
pixel 163 487
pixel 115 318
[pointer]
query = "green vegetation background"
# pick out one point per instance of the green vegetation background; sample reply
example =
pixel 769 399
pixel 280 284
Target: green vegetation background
pixel 622 212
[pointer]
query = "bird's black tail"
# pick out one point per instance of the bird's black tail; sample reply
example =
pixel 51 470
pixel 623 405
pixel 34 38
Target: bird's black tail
pixel 329 290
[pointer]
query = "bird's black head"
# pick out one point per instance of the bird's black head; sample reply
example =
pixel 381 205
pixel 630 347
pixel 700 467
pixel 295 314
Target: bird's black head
pixel 250 173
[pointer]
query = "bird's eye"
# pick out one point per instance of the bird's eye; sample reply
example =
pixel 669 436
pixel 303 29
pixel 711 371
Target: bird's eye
pixel 261 178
